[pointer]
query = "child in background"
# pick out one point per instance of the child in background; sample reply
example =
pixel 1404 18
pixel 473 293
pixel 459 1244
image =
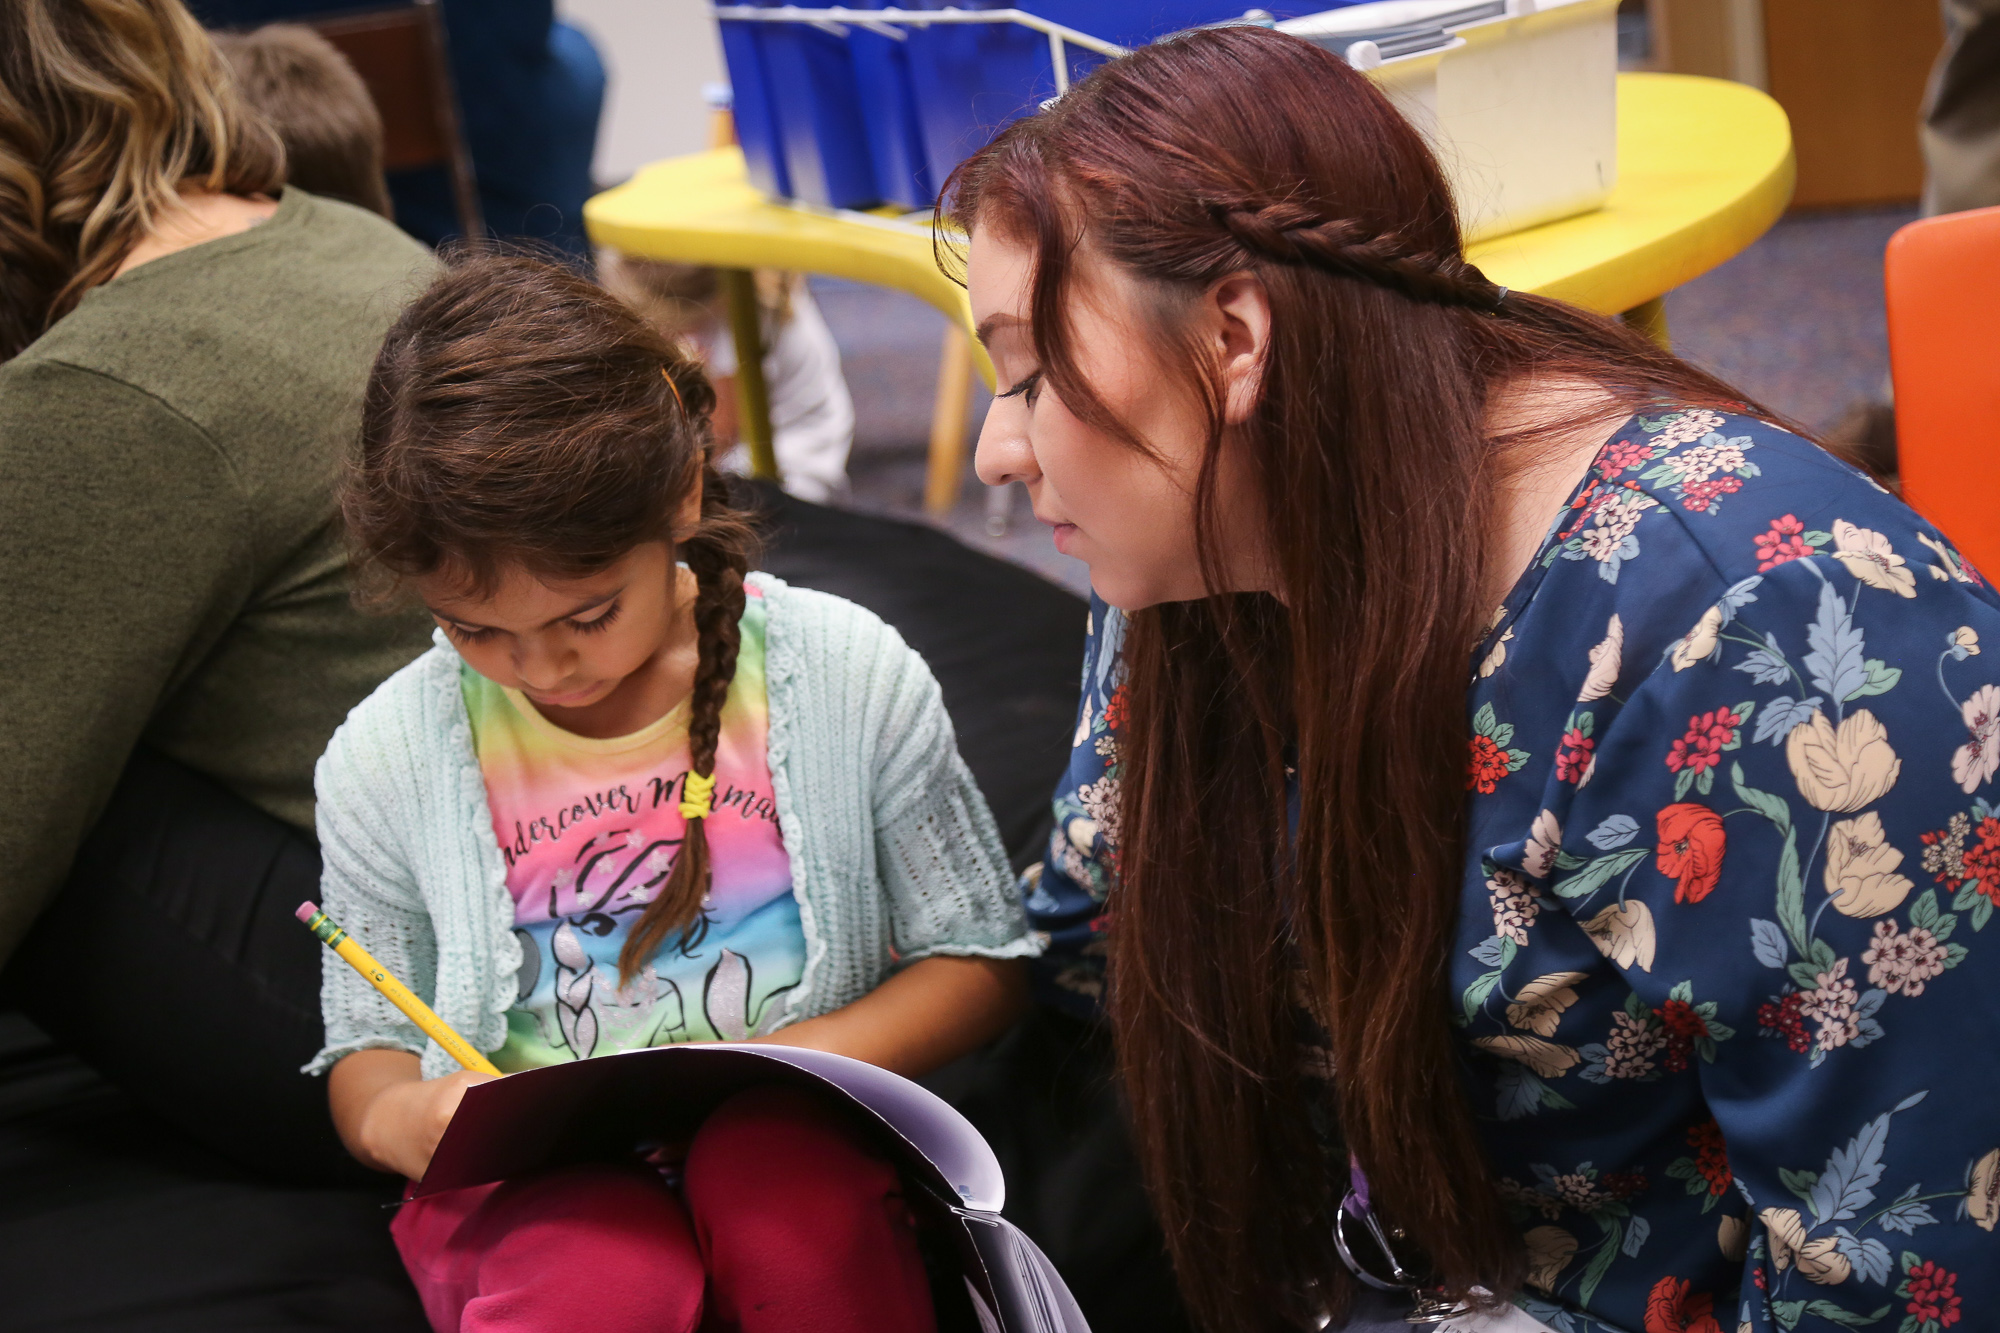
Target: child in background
pixel 635 795
pixel 312 97
pixel 812 417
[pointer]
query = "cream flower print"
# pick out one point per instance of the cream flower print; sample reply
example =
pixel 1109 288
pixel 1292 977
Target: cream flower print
pixel 1516 903
pixel 1842 770
pixel 1624 934
pixel 1540 1005
pixel 1953 567
pixel 1497 657
pixel 1604 661
pixel 1975 762
pixel 1786 1231
pixel 1860 868
pixel 1688 427
pixel 1902 962
pixel 1831 1005
pixel 1967 638
pixel 1732 1237
pixel 1604 540
pixel 1945 858
pixel 1704 461
pixel 1868 556
pixel 1982 1200
pixel 1544 840
pixel 1546 1058
pixel 1633 1049
pixel 1817 1260
pixel 1549 1251
pixel 1700 643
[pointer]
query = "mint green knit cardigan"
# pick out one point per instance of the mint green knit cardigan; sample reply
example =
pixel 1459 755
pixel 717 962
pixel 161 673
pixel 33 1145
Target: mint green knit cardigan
pixel 895 856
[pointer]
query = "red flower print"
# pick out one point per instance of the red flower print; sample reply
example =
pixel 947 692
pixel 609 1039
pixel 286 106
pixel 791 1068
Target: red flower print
pixel 1574 756
pixel 1623 1185
pixel 1982 860
pixel 1785 541
pixel 1622 456
pixel 1114 709
pixel 1486 767
pixel 1690 850
pixel 1933 1294
pixel 1684 1025
pixel 1674 1307
pixel 1711 1155
pixel 1698 495
pixel 1702 746
pixel 1786 1018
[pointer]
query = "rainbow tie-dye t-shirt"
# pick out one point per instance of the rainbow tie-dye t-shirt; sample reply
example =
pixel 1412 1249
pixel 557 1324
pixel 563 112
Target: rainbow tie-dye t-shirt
pixel 590 828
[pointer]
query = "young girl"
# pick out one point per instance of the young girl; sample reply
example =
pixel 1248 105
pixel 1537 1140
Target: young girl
pixel 634 796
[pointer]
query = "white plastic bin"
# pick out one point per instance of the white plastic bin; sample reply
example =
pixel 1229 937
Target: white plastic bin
pixel 1521 104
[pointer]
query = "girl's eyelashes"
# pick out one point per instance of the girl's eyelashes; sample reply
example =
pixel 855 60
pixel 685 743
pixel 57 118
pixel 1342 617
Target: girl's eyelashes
pixel 1024 388
pixel 602 622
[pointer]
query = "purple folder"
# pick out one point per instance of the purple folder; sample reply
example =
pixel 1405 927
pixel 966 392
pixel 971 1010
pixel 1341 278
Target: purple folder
pixel 611 1105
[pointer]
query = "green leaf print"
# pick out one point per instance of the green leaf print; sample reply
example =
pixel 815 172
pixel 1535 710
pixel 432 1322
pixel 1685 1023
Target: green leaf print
pixel 1881 679
pixel 1475 994
pixel 1773 808
pixel 1600 1263
pixel 1599 871
pixel 1834 1314
pixel 1792 894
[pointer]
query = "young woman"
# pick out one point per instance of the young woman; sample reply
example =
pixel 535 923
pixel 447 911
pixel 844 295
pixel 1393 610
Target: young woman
pixel 183 345
pixel 635 795
pixel 1551 802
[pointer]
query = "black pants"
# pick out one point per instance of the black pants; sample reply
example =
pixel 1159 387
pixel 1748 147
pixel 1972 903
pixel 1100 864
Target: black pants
pixel 172 963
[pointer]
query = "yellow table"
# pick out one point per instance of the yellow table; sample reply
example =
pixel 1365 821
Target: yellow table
pixel 1704 167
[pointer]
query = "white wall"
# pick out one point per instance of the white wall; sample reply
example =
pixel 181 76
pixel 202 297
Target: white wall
pixel 657 55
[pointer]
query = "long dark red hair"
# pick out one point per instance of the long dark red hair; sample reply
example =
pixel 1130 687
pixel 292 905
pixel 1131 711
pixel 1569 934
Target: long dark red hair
pixel 1213 153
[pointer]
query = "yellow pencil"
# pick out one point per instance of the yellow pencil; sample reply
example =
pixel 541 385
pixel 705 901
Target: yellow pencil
pixel 338 940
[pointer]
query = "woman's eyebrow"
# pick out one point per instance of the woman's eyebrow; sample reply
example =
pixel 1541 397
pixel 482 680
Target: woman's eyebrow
pixel 993 323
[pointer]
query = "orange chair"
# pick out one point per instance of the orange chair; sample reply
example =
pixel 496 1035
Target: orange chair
pixel 1943 281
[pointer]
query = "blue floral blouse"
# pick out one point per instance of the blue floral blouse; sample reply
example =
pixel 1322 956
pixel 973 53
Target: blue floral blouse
pixel 1729 1015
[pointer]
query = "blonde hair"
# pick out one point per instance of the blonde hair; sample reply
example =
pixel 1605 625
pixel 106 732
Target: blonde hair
pixel 679 300
pixel 107 107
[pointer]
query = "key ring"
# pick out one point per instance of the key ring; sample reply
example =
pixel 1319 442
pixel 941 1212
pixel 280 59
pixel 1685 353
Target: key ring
pixel 1429 1307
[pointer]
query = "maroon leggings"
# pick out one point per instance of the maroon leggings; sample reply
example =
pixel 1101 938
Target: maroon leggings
pixel 786 1221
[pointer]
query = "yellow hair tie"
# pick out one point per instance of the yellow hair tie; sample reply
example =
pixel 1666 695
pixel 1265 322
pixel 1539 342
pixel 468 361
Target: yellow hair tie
pixel 678 401
pixel 696 793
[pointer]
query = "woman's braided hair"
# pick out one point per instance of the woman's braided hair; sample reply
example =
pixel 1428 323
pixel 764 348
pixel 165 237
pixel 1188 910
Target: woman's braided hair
pixel 520 416
pixel 1291 233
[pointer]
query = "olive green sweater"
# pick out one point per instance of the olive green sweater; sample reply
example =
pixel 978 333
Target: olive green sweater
pixel 171 565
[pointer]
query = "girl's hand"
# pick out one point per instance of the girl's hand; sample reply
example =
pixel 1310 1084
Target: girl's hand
pixel 926 1015
pixel 389 1115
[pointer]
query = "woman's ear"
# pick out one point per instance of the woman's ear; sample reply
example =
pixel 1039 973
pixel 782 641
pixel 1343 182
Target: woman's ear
pixel 1238 309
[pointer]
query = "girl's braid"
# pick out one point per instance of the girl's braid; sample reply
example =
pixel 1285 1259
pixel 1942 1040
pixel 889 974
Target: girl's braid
pixel 1294 234
pixel 719 555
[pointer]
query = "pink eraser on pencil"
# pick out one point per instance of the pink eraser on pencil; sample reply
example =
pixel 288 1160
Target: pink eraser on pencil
pixel 307 911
